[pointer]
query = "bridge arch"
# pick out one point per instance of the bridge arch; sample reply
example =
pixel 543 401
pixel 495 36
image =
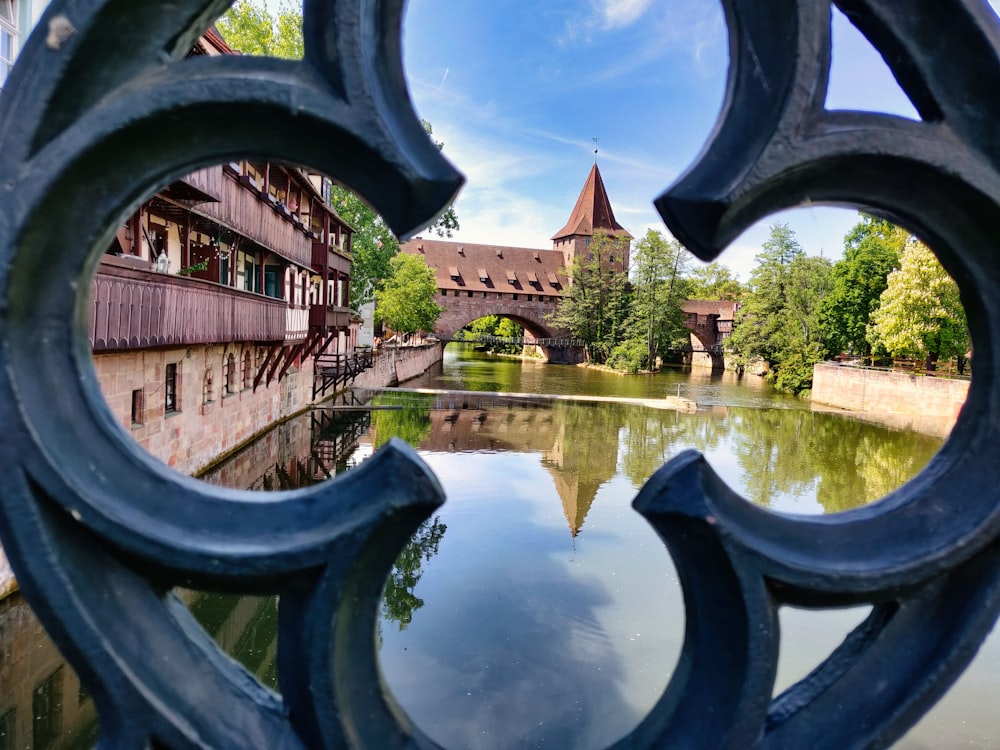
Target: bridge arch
pixel 529 315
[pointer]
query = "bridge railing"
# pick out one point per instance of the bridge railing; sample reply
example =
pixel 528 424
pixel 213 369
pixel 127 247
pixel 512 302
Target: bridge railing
pixel 552 342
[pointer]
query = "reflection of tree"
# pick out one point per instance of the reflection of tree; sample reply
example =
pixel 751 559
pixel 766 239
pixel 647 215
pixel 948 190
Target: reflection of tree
pixel 651 436
pixel 412 423
pixel 398 600
pixel 849 463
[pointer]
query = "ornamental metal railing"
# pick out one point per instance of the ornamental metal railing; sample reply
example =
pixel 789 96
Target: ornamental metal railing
pixel 102 108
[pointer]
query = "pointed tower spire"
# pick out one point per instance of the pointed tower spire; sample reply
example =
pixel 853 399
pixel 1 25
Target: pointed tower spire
pixel 592 211
pixel 592 215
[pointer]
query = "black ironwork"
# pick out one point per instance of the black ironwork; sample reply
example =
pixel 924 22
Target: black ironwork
pixel 333 372
pixel 555 343
pixel 102 109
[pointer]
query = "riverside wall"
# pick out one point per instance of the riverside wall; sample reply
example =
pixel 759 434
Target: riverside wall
pixel 903 400
pixel 209 423
pixel 397 364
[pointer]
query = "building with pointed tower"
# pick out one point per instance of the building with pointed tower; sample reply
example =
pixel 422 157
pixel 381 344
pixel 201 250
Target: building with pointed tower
pixel 523 284
pixel 592 215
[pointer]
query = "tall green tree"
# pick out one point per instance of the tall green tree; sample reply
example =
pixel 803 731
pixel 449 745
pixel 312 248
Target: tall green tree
pixel 595 307
pixel 714 281
pixel 406 302
pixel 250 27
pixel 920 314
pixel 656 321
pixel 871 251
pixel 778 321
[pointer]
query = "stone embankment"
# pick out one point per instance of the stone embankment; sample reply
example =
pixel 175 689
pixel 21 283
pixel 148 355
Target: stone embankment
pixel 392 365
pixel 898 399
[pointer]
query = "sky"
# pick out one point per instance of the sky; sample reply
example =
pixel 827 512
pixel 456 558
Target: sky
pixel 517 91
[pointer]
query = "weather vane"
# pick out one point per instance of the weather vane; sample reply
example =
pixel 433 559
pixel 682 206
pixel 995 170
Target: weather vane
pixel 595 139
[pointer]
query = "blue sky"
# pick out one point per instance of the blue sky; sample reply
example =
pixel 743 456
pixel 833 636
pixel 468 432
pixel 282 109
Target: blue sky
pixel 517 91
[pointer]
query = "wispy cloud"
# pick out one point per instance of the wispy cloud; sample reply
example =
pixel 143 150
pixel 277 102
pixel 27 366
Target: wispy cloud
pixel 618 13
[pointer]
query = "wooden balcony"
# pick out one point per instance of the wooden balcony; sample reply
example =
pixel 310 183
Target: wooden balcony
pixel 134 308
pixel 329 317
pixel 332 257
pixel 241 207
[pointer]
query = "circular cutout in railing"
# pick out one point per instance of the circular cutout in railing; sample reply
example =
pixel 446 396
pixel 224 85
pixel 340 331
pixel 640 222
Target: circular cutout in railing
pixel 848 344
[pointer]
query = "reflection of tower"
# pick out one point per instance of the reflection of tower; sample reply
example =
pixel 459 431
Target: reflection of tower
pixel 584 455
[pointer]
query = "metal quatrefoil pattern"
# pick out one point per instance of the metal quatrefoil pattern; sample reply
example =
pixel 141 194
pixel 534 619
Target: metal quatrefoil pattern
pixel 102 108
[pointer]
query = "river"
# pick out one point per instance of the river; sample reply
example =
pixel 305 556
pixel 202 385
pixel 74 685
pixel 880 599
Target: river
pixel 536 608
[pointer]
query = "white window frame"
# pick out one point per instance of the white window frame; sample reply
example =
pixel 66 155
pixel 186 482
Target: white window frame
pixel 10 29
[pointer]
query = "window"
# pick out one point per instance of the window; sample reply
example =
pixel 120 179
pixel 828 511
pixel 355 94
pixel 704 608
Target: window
pixel 8 38
pixel 513 296
pixel 230 374
pixel 444 292
pixel 469 294
pixel 208 386
pixel 170 389
pixel 46 710
pixel 529 298
pixel 137 407
pixel 247 370
pixel 484 295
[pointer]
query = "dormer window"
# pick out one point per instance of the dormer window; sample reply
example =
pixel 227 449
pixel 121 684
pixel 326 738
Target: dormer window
pixel 483 275
pixel 511 277
pixel 453 272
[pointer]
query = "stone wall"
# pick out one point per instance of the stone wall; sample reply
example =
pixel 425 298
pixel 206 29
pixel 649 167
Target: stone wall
pixel 208 421
pixel 396 364
pixel 915 397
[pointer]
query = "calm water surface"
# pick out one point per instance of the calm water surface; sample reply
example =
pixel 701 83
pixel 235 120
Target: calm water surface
pixel 536 609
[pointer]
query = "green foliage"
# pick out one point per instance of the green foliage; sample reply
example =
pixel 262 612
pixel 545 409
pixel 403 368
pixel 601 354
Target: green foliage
pixel 250 27
pixel 920 314
pixel 494 325
pixel 871 252
pixel 779 320
pixel 595 306
pixel 188 270
pixel 714 281
pixel 656 319
pixel 406 301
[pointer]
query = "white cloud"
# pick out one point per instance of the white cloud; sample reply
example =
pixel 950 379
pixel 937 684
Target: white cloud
pixel 618 13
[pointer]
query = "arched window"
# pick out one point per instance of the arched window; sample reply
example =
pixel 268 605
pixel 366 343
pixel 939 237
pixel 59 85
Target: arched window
pixel 206 386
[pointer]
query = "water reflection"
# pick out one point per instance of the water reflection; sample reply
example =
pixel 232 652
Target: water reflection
pixel 536 608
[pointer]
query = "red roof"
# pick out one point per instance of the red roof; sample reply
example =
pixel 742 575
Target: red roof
pixel 497 263
pixel 592 211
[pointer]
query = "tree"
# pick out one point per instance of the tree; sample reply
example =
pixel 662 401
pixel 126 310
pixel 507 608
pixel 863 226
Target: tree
pixel 656 321
pixel 779 320
pixel 252 29
pixel 714 281
pixel 871 251
pixel 406 302
pixel 595 306
pixel 920 314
